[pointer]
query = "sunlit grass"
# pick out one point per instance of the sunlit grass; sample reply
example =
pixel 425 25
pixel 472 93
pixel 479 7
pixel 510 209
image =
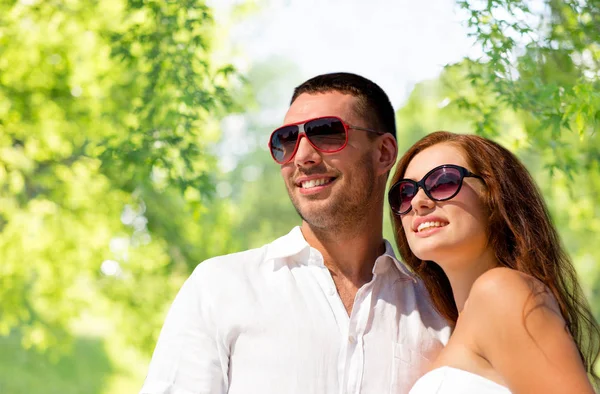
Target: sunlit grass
pixel 84 370
pixel 97 363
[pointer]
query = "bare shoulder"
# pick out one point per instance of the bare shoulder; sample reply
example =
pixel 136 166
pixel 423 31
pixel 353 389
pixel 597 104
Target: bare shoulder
pixel 503 294
pixel 514 323
pixel 508 287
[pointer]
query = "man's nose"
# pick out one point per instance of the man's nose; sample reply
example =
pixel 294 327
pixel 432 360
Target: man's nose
pixel 306 154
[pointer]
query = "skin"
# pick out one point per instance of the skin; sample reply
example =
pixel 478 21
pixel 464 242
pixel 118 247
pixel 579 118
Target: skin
pixel 342 219
pixel 510 329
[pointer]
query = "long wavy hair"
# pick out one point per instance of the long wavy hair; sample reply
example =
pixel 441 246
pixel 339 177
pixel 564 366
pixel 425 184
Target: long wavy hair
pixel 523 237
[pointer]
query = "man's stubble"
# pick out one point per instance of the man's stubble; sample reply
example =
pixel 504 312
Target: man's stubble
pixel 347 209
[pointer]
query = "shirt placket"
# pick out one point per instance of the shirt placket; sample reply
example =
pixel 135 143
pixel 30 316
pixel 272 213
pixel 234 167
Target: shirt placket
pixel 327 285
pixel 351 328
pixel 355 354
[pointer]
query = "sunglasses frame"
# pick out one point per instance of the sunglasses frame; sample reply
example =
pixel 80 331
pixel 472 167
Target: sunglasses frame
pixel 302 132
pixel 464 173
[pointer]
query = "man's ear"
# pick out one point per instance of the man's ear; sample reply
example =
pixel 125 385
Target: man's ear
pixel 387 152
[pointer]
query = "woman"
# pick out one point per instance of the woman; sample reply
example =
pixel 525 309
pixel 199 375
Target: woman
pixel 471 223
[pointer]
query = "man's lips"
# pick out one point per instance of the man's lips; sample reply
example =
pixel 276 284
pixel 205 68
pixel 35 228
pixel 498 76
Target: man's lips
pixel 313 181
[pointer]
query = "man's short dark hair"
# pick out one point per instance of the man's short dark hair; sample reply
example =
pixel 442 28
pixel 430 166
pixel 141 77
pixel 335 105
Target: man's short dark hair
pixel 372 102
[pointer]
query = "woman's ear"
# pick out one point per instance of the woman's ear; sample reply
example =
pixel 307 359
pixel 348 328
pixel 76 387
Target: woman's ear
pixel 387 153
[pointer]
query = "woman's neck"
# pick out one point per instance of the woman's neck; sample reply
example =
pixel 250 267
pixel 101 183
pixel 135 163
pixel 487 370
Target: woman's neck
pixel 462 274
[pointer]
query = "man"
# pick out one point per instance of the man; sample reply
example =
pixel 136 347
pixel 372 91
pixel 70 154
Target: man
pixel 326 308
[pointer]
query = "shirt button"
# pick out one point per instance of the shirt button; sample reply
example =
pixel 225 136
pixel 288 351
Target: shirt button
pixel 331 291
pixel 352 339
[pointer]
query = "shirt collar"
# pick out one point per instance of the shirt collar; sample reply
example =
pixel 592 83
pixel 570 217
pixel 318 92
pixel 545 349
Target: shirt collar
pixel 293 244
pixel 380 264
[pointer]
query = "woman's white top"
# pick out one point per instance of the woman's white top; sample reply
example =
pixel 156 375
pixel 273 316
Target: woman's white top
pixel 448 380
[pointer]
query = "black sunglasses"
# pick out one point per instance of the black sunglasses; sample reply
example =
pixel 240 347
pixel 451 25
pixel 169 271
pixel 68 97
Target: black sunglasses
pixel 440 184
pixel 327 134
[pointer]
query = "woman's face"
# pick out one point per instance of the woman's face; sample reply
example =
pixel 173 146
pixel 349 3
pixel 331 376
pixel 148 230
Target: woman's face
pixel 447 232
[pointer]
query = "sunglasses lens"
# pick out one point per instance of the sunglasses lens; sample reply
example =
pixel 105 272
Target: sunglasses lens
pixel 407 192
pixel 401 196
pixel 283 143
pixel 327 134
pixel 444 183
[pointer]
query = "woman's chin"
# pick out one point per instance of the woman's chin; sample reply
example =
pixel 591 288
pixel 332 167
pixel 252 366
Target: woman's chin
pixel 440 256
pixel 428 251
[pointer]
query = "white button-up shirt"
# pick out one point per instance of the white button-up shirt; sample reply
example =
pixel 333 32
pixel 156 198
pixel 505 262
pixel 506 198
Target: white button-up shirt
pixel 270 320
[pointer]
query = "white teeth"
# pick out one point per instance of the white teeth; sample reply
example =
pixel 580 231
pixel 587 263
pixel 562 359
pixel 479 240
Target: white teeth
pixel 426 225
pixel 314 183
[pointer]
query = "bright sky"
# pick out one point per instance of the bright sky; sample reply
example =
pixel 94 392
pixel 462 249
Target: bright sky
pixel 396 43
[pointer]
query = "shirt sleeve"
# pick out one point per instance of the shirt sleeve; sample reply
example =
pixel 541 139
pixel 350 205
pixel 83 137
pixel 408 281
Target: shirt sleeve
pixel 189 358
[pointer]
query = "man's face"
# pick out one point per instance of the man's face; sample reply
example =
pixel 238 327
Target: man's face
pixel 331 190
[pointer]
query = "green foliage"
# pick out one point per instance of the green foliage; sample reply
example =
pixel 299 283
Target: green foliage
pixel 107 112
pixel 166 93
pixel 545 67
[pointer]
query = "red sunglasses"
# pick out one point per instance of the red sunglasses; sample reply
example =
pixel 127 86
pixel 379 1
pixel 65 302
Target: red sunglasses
pixel 328 134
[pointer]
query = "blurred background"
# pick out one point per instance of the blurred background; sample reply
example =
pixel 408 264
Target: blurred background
pixel 133 138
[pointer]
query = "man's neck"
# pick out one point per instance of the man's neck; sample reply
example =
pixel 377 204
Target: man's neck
pixel 349 255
